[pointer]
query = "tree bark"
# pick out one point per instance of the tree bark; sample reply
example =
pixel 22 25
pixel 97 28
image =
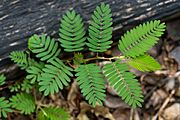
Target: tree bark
pixel 19 19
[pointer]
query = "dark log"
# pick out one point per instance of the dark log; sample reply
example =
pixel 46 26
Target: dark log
pixel 19 19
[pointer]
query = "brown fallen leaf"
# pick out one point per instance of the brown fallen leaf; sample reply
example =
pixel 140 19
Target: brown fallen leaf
pixel 157 98
pixel 98 111
pixel 173 29
pixel 103 111
pixel 73 99
pixel 122 114
pixel 172 112
pixel 114 102
pixel 170 84
pixel 176 55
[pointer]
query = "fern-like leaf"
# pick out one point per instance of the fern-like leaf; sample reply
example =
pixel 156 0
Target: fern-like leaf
pixel 72 32
pixel 23 102
pixel 100 30
pixel 2 79
pixel 54 76
pixel 26 86
pixel 44 47
pixel 20 58
pixel 34 71
pixel 138 40
pixel 124 83
pixel 92 85
pixel 15 87
pixel 53 113
pixel 4 107
pixel 144 63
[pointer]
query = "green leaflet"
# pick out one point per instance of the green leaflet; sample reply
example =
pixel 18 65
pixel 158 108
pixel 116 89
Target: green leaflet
pixel 4 107
pixel 2 79
pixel 34 71
pixel 23 102
pixel 124 83
pixel 53 113
pixel 15 88
pixel 91 83
pixel 55 75
pixel 44 47
pixel 72 32
pixel 138 40
pixel 20 58
pixel 144 63
pixel 26 86
pixel 100 30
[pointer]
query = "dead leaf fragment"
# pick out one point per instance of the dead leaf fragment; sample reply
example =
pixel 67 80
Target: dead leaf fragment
pixel 114 102
pixel 121 114
pixel 172 112
pixel 158 97
pixel 98 111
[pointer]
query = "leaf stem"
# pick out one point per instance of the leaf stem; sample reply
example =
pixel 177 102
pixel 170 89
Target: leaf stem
pixel 104 58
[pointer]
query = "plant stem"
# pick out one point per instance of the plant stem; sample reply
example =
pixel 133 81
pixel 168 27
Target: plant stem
pixel 103 58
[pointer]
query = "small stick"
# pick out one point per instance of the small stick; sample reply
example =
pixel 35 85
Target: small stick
pixel 163 105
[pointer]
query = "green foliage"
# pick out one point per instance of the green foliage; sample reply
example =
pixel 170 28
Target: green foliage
pixel 34 71
pixel 124 83
pixel 15 87
pixel 144 63
pixel 91 83
pixel 2 79
pixel 54 76
pixel 4 107
pixel 78 59
pixel 72 32
pixel 23 102
pixel 53 113
pixel 49 73
pixel 44 47
pixel 100 30
pixel 18 86
pixel 138 40
pixel 20 58
pixel 26 86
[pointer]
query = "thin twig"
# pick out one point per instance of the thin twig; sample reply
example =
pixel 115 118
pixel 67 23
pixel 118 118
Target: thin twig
pixel 131 114
pixel 11 84
pixel 68 62
pixel 163 105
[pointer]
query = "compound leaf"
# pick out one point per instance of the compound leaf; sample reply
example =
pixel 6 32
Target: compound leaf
pixel 124 83
pixel 138 40
pixel 26 86
pixel 23 102
pixel 34 71
pixel 72 32
pixel 4 107
pixel 53 113
pixel 15 87
pixel 44 47
pixel 20 58
pixel 91 83
pixel 55 75
pixel 100 30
